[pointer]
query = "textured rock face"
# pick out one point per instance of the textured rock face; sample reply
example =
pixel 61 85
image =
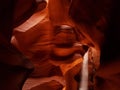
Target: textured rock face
pixel 56 38
pixel 54 43
pixel 14 66
pixel 52 85
pixel 47 83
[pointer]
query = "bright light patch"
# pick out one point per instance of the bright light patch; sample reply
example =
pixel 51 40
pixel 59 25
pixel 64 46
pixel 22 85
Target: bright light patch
pixel 84 73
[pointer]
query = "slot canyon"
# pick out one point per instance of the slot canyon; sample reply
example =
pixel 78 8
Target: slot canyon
pixel 59 45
